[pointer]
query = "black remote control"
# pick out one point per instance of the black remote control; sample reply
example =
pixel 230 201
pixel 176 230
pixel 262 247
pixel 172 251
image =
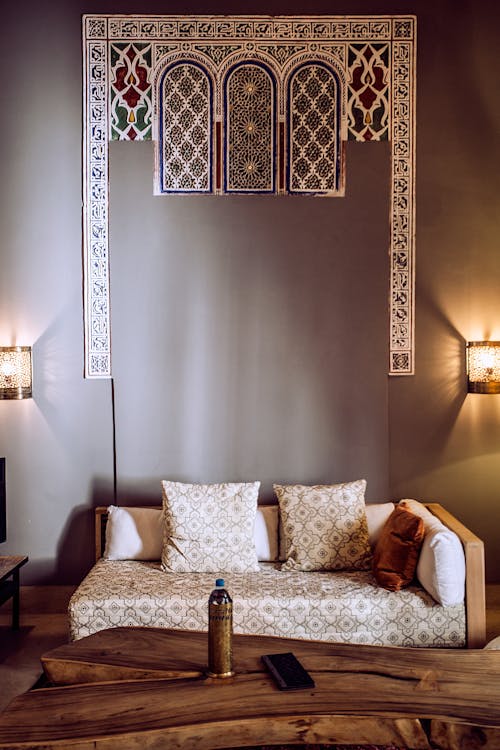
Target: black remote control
pixel 288 671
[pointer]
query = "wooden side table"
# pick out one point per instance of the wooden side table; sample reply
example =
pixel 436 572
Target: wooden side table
pixel 9 583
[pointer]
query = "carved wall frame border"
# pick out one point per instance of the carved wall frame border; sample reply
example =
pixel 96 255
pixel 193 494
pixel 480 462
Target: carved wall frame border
pixel 324 31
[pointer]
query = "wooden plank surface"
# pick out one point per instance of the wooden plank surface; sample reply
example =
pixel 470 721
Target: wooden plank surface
pixel 358 688
pixel 10 563
pixel 199 713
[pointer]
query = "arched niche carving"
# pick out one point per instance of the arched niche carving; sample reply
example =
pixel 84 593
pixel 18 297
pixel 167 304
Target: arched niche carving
pixel 315 163
pixel 250 129
pixel 185 139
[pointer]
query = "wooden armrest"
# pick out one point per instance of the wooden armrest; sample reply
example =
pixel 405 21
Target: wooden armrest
pixel 101 519
pixel 475 590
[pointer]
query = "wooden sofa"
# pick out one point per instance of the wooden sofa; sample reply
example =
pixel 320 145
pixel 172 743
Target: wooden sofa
pixel 92 607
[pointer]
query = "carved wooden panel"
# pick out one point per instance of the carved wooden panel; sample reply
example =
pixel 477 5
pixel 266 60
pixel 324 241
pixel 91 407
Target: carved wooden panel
pixel 175 78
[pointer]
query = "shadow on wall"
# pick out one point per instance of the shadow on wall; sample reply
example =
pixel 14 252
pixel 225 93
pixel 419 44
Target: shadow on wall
pixel 75 551
pixel 434 421
pixel 141 493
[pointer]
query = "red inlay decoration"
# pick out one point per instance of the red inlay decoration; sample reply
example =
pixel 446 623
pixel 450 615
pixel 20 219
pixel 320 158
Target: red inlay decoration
pixel 367 54
pixel 132 133
pixel 379 82
pixel 120 78
pixel 132 96
pixel 368 135
pixel 357 83
pixel 367 98
pixel 143 77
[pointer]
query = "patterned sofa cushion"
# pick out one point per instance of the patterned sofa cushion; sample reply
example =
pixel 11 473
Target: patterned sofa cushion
pixel 325 526
pixel 209 528
pixel 347 607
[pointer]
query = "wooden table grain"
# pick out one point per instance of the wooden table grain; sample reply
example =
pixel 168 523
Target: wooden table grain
pixel 9 583
pixel 131 688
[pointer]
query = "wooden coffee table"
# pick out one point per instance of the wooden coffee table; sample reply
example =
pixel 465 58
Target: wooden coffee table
pixel 146 688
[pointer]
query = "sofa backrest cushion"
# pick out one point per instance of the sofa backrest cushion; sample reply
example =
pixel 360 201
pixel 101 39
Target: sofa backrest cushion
pixel 266 533
pixel 133 533
pixel 441 565
pixel 376 516
pixel 136 534
pixel 396 553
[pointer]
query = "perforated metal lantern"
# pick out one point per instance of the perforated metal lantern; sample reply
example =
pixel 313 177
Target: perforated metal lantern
pixel 15 372
pixel 483 367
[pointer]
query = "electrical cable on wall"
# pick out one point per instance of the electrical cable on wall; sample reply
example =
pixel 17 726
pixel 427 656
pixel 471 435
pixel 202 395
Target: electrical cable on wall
pixel 113 415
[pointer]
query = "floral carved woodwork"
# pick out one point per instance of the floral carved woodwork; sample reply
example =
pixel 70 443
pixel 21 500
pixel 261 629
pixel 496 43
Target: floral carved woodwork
pixel 248 104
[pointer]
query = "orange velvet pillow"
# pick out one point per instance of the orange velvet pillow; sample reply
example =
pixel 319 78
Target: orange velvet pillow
pixel 396 553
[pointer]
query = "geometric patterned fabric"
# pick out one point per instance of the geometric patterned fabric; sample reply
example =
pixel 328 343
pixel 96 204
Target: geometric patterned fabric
pixel 325 526
pixel 209 527
pixel 340 606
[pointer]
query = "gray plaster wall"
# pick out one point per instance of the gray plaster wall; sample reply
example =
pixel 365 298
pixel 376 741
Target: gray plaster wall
pixel 249 333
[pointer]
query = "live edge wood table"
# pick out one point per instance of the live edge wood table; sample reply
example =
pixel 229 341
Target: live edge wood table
pixel 131 688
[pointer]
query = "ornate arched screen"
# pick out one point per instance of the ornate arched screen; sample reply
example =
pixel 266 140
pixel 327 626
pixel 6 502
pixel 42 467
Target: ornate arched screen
pixel 184 145
pixel 248 104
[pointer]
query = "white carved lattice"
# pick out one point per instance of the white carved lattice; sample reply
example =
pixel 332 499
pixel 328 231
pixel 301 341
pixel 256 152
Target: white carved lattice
pixel 314 153
pixel 250 132
pixel 185 140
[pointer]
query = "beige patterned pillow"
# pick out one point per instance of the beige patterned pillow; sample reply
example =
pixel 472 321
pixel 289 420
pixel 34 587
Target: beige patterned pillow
pixel 325 526
pixel 209 528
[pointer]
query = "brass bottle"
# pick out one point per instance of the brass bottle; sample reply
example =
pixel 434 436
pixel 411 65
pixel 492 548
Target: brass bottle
pixel 220 632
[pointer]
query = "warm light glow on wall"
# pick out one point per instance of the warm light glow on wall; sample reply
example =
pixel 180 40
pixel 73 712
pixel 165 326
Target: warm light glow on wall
pixel 483 366
pixel 15 372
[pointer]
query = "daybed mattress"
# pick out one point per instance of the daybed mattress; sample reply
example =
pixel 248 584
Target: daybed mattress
pixel 346 607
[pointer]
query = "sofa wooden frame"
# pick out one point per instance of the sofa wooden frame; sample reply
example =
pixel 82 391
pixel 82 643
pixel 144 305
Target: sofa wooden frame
pixel 475 597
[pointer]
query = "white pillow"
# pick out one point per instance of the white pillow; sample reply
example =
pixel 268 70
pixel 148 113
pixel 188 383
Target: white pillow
pixel 133 534
pixel 494 645
pixel 441 565
pixel 209 528
pixel 266 533
pixel 376 516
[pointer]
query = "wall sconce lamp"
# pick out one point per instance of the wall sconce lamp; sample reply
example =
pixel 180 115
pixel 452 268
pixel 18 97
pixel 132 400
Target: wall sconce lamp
pixel 15 372
pixel 483 367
